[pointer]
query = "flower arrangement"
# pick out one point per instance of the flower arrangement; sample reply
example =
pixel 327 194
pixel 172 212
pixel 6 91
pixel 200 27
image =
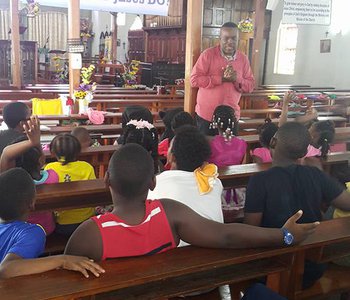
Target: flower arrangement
pixel 33 8
pixel 246 25
pixel 84 93
pixel 86 30
pixel 130 73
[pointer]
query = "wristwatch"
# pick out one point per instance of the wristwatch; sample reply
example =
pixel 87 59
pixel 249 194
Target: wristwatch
pixel 288 238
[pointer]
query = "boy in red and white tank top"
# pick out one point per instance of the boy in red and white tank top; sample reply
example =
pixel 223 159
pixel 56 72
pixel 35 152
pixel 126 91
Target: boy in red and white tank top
pixel 137 226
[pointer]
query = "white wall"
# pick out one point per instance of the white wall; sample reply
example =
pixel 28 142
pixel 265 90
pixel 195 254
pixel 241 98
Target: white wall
pixel 123 36
pixel 311 66
pixel 102 19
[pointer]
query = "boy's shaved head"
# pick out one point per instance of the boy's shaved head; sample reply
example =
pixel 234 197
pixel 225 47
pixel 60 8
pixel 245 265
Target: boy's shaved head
pixel 292 140
pixel 131 170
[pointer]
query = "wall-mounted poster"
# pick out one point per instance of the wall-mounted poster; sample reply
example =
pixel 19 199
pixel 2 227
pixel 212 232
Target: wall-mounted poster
pixel 313 12
pixel 325 46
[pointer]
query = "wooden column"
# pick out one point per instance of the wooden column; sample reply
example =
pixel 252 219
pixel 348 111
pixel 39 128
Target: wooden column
pixel 260 7
pixel 114 38
pixel 193 49
pixel 15 45
pixel 73 33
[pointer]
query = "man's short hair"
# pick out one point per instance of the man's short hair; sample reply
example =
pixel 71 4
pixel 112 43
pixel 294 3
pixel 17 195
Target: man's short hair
pixel 14 113
pixel 229 25
pixel 130 170
pixel 190 148
pixel 293 139
pixel 17 191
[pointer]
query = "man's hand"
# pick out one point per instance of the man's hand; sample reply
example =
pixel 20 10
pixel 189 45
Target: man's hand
pixel 229 74
pixel 299 231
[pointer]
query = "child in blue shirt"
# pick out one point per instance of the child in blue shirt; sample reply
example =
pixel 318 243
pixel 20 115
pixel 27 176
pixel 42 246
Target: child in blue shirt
pixel 20 242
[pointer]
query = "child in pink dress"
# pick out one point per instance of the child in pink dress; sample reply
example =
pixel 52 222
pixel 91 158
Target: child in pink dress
pixel 27 154
pixel 227 149
pixel 266 132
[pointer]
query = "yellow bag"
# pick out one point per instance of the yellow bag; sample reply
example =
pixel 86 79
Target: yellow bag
pixel 46 106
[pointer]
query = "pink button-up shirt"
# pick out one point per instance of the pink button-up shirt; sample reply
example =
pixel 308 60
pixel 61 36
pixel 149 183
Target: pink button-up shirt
pixel 207 76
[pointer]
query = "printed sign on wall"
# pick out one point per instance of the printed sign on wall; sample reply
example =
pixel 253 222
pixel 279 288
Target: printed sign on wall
pixel 314 12
pixel 149 7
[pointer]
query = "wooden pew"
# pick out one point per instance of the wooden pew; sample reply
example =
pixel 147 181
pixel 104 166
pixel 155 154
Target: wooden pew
pixel 105 91
pixel 94 192
pixel 103 129
pixel 255 123
pixel 177 272
pixel 98 157
pixel 154 104
pixel 26 96
pixel 184 270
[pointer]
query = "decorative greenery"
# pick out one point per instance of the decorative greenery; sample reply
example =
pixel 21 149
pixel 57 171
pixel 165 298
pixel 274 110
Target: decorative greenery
pixel 246 25
pixel 130 73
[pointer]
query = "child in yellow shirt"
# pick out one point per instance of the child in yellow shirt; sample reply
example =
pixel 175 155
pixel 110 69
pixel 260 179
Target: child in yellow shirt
pixel 66 149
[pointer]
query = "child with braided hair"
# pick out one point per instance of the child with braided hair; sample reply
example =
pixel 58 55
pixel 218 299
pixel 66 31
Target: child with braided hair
pixel 266 132
pixel 322 135
pixel 227 149
pixel 145 134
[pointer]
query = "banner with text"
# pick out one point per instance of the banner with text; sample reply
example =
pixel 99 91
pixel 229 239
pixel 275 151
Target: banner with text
pixel 314 12
pixel 149 7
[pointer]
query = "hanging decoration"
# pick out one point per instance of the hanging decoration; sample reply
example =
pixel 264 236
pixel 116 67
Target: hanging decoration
pixel 33 8
pixel 246 25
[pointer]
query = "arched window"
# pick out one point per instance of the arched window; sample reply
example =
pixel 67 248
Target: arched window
pixel 286 48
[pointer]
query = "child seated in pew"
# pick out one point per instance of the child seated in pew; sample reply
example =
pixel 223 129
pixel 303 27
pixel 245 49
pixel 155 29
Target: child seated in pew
pixel 83 136
pixel 191 180
pixel 66 148
pixel 134 112
pixel 180 119
pixel 20 242
pixel 226 148
pixel 322 132
pixel 266 132
pixel 167 116
pixel 26 153
pixel 145 134
pixel 138 226
pixel 276 194
pixel 13 114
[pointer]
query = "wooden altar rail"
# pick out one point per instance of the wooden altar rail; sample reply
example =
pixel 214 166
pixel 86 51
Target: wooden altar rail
pixel 189 269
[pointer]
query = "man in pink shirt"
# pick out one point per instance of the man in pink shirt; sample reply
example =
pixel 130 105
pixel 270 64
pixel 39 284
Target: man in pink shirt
pixel 221 73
